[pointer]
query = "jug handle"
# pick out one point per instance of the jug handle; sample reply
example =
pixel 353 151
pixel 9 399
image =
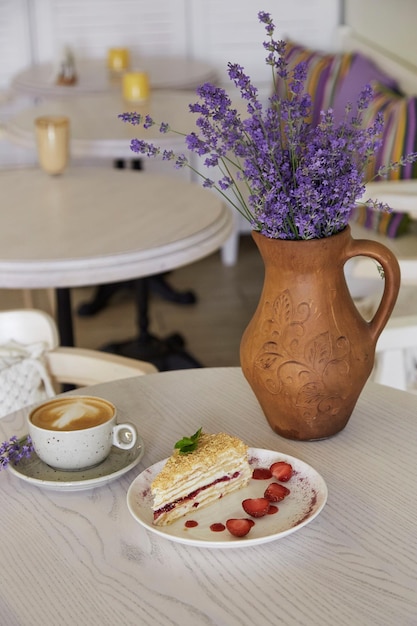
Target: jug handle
pixel 392 274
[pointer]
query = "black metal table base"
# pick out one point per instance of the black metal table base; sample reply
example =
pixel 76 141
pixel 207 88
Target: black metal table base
pixel 157 285
pixel 64 316
pixel 166 354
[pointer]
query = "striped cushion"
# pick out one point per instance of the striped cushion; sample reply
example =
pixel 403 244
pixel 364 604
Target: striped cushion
pixel 325 74
pixel 399 136
pixel 333 80
pixel 362 71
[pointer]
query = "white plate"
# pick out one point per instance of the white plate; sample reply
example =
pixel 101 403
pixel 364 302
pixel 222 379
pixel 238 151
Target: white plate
pixel 35 471
pixel 307 498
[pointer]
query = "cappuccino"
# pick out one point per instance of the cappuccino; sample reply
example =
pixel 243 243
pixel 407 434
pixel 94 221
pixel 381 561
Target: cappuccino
pixel 72 413
pixel 77 432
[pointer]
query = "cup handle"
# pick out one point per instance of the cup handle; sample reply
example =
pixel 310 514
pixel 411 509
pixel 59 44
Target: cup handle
pixel 124 436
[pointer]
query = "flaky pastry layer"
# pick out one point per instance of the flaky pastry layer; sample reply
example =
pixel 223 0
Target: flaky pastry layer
pixel 217 467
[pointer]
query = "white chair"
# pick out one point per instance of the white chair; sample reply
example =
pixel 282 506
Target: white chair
pixel 64 365
pixel 28 326
pixel 82 366
pixel 396 354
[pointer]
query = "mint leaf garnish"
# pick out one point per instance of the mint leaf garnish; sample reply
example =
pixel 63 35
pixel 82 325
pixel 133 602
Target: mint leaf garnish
pixel 188 444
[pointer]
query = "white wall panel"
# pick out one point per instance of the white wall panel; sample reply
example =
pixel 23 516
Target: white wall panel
pixel 229 30
pixel 90 27
pixel 213 30
pixel 390 25
pixel 15 44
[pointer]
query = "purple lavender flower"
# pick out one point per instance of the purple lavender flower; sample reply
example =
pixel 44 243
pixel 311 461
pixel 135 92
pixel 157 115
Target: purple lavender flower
pixel 13 451
pixel 290 178
pixel 132 118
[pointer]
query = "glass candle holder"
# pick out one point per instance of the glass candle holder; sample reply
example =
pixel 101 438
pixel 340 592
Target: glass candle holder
pixel 52 141
pixel 118 59
pixel 136 86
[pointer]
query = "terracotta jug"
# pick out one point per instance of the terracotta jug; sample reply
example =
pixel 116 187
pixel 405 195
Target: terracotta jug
pixel 307 352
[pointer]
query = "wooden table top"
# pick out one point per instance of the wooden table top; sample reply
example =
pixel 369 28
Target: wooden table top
pixel 80 555
pixel 96 130
pixel 98 225
pixel 94 77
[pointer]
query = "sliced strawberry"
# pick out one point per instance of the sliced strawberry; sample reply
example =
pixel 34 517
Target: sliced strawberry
pixel 281 470
pixel 239 527
pixel 276 492
pixel 261 473
pixel 256 507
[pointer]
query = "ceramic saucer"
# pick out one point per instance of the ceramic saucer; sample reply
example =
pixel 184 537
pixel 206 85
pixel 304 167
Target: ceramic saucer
pixel 36 472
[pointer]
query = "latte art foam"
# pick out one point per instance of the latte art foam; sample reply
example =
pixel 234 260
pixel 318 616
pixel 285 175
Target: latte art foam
pixel 72 414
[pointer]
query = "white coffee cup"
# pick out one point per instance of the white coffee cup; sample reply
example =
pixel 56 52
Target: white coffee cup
pixel 77 432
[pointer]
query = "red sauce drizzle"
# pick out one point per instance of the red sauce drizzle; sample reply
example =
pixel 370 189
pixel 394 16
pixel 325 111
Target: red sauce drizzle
pixel 190 523
pixel 218 527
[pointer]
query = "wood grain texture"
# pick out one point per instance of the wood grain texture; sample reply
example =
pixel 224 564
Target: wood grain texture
pixel 93 225
pixel 81 558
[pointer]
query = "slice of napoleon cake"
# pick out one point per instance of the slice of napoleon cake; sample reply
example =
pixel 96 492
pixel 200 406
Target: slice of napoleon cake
pixel 202 469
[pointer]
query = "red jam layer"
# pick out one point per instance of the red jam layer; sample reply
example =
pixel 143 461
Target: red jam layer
pixel 192 495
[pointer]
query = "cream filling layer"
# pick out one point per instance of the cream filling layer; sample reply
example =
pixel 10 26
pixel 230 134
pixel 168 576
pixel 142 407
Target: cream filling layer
pixel 198 491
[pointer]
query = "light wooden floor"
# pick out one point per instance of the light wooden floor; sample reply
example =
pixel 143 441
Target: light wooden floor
pixel 227 297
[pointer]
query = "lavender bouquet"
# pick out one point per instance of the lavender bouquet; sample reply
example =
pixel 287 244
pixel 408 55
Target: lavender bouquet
pixel 291 179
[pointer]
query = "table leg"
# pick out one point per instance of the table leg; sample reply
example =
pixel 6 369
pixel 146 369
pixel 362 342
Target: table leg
pixel 65 325
pixel 157 284
pixel 165 354
pixel 64 316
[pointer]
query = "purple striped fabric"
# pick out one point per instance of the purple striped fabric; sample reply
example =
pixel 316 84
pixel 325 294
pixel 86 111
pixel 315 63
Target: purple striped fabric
pixel 399 136
pixel 335 80
pixel 325 74
pixel 362 71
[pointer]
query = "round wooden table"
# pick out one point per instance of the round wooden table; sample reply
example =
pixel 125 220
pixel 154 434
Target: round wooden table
pixel 97 225
pixel 93 563
pixel 94 78
pixel 97 133
pixel 96 130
